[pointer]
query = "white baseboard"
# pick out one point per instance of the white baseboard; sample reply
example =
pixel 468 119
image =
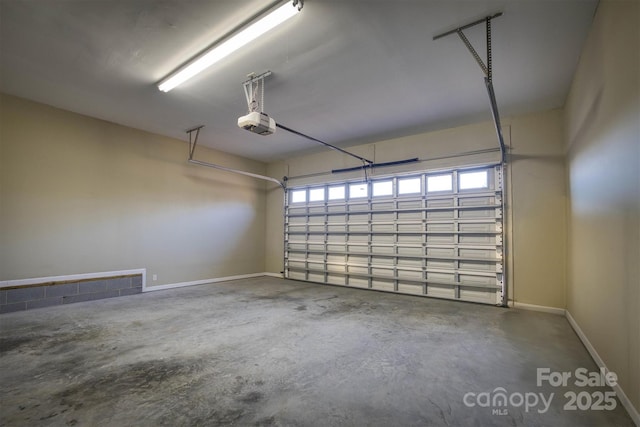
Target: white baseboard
pixel 72 277
pixel 278 275
pixel 633 412
pixel 533 307
pixel 203 282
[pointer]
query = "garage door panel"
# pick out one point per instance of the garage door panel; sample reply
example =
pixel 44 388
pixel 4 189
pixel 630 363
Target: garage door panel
pixel 382 272
pixel 477 239
pixel 440 238
pixel 435 215
pixel 336 208
pixel 448 252
pixel 298 228
pixel 409 250
pixel 296 264
pixel 357 269
pixel 409 238
pixel 488 254
pixel 409 204
pixel 357 238
pixel 358 259
pixel 434 228
pixel 438 263
pixel 357 249
pixel 382 238
pixel 336 279
pixel 358 282
pixel 315 247
pixel 316 277
pixel 386 250
pixel 410 288
pixel 477 213
pixel 318 257
pixel 358 207
pixel 409 228
pixel 477 266
pixel 443 242
pixel 409 262
pixel 297 275
pixel 382 260
pixel 382 285
pixel 409 216
pixel 477 227
pixel 409 274
pixel 477 201
pixel 382 228
pixel 476 295
pixel 358 217
pixel 335 258
pixel 440 277
pixel 336 268
pixel 382 216
pixel 438 291
pixel 382 206
pixel 477 280
pixel 440 202
pixel 298 220
pixel 336 219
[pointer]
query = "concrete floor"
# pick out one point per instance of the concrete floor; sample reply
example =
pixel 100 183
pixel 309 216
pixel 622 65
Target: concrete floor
pixel 273 352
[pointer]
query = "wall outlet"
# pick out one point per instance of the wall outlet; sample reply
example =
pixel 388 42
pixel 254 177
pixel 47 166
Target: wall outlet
pixel 155 277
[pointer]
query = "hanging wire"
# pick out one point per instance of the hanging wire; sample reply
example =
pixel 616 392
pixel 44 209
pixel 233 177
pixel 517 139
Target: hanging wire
pixel 366 166
pixel 253 106
pixel 262 97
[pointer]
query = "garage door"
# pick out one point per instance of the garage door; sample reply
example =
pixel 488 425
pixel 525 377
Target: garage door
pixel 437 234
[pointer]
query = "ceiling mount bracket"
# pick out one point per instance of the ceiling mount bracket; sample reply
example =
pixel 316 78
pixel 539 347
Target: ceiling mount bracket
pixel 487 69
pixel 193 140
pixel 251 86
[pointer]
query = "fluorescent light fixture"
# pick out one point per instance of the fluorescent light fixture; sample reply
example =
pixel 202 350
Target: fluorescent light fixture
pixel 235 42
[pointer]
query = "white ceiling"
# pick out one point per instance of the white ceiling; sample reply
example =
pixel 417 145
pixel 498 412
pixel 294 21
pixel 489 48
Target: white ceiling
pixel 344 71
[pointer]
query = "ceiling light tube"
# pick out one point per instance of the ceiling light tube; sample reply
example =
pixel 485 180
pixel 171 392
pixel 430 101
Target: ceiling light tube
pixel 230 45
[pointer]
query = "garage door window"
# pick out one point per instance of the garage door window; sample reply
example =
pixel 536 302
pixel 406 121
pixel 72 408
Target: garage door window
pixel 298 196
pixel 382 188
pixel 439 183
pixel 336 192
pixel 472 180
pixel 358 190
pixel 316 194
pixel 409 186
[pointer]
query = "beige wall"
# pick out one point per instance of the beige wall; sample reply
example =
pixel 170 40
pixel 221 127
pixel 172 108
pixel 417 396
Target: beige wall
pixel 603 142
pixel 537 181
pixel 80 195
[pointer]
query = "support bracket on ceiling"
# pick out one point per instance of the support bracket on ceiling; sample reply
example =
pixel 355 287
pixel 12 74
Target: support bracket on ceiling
pixel 487 69
pixel 251 86
pixel 193 142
